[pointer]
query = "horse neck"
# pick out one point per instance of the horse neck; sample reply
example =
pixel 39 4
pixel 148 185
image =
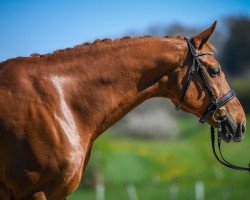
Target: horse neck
pixel 111 83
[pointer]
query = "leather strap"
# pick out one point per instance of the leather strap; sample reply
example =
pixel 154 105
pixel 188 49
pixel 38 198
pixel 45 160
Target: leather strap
pixel 217 104
pixel 186 86
pixel 197 66
pixel 223 161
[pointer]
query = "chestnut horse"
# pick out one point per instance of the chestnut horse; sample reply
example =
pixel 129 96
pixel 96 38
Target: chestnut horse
pixel 54 106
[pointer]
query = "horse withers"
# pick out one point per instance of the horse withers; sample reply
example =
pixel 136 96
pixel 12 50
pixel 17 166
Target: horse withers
pixel 54 106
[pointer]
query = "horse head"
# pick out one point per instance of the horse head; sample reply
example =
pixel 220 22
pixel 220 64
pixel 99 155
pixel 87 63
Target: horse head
pixel 202 88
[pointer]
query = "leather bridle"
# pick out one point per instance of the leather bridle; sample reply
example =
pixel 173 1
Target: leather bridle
pixel 216 103
pixel 198 67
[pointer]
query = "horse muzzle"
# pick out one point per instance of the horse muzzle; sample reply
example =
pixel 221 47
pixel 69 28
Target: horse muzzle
pixel 231 131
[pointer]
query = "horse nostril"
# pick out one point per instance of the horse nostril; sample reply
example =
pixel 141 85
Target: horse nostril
pixel 243 128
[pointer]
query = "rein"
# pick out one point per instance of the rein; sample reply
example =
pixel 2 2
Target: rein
pixel 222 160
pixel 216 103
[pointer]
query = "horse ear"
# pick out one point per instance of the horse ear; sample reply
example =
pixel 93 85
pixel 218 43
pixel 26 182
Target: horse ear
pixel 199 40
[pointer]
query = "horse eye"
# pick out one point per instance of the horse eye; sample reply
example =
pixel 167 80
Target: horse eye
pixel 215 71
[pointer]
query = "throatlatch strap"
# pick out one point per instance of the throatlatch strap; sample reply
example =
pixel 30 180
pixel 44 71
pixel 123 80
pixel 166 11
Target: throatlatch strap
pixel 186 86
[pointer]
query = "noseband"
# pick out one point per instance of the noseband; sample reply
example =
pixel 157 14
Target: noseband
pixel 215 105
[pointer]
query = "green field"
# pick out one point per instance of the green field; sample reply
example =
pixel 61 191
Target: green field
pixel 163 169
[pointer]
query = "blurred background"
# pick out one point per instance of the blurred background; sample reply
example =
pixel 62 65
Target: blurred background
pixel 154 152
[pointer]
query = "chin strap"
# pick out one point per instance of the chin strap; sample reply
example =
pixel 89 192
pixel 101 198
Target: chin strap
pixel 222 159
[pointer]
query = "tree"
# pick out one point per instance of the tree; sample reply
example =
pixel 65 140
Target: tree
pixel 236 57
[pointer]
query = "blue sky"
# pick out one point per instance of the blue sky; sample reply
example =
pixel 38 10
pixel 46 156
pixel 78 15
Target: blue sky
pixel 43 26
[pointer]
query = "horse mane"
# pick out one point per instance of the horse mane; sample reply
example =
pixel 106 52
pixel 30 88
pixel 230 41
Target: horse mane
pixel 81 48
pixel 94 45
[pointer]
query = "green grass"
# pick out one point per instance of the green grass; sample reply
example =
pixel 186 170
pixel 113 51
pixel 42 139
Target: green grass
pixel 153 166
